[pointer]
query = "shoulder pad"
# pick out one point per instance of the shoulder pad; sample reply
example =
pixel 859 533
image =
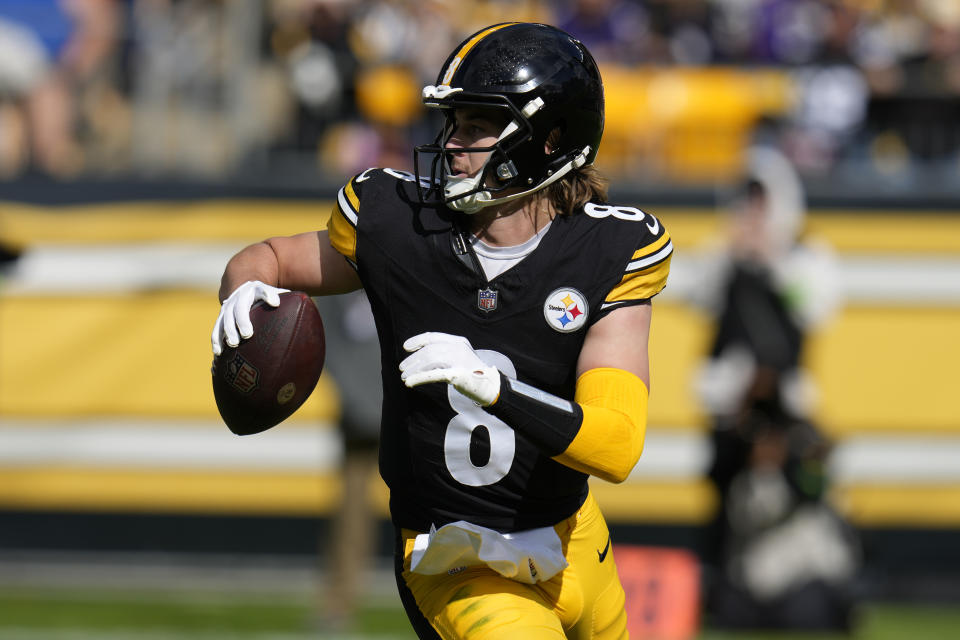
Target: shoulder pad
pixel 342 226
pixel 346 214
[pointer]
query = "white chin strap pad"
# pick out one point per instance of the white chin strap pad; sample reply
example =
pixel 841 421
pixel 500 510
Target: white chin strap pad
pixel 465 203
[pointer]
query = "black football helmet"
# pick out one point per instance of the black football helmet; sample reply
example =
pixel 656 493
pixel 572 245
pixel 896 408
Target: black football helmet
pixel 543 79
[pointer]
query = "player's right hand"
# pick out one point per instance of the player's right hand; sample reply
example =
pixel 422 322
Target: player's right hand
pixel 233 323
pixel 441 357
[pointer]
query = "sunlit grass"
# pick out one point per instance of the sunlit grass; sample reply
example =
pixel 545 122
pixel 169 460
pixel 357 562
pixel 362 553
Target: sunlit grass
pixel 75 614
pixel 183 614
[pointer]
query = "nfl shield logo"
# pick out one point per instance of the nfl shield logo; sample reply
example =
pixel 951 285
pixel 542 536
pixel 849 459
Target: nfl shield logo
pixel 242 375
pixel 487 299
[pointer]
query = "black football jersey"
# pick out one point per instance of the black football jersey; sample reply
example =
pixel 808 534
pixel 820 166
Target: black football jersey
pixel 443 457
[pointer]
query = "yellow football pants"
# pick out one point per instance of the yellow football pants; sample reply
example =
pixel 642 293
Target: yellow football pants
pixel 583 602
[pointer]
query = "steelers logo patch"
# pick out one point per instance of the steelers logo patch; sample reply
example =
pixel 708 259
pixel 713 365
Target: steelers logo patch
pixel 565 310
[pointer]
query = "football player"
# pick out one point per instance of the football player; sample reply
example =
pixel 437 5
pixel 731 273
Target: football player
pixel 512 303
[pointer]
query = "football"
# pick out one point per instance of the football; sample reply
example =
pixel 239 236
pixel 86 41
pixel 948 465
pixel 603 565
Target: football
pixel 267 377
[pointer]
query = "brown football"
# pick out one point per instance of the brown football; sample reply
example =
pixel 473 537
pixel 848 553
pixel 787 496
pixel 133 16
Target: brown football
pixel 268 376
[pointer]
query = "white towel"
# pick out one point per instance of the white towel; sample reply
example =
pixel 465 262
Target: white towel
pixel 525 556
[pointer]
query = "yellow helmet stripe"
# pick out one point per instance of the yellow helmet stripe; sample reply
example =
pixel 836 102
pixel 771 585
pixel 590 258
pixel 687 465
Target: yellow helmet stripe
pixel 469 44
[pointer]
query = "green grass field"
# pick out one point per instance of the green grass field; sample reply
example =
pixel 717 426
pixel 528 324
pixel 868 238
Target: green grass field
pixel 105 614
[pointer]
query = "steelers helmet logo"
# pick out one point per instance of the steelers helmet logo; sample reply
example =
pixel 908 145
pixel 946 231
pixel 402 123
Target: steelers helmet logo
pixel 565 310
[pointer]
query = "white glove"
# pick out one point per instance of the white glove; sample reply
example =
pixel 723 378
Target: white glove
pixel 233 323
pixel 441 357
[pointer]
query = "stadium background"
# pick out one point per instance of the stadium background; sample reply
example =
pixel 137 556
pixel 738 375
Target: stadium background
pixel 159 137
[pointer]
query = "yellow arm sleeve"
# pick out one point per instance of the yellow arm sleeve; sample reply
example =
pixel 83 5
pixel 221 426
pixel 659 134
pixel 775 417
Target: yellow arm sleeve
pixel 610 439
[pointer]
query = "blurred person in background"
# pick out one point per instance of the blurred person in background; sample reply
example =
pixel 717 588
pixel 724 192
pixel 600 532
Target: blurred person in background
pixel 614 30
pixel 353 361
pixel 767 284
pixel 310 39
pixel 788 560
pixel 910 53
pixel 207 96
pixel 814 41
pixel 513 306
pixel 780 557
pixel 54 57
pixel 388 106
pixel 355 70
pixel 682 32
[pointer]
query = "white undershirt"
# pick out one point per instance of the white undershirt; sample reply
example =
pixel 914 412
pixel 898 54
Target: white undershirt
pixel 496 260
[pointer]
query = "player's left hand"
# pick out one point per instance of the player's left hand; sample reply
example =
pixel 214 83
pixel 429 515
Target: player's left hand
pixel 441 357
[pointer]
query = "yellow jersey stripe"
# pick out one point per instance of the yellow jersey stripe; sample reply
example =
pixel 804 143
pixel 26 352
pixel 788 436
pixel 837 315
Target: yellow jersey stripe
pixel 352 198
pixel 650 260
pixel 640 285
pixel 343 233
pixel 652 247
pixel 343 205
pixel 465 49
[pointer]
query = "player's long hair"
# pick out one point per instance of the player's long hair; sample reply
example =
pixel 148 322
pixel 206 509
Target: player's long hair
pixel 577 188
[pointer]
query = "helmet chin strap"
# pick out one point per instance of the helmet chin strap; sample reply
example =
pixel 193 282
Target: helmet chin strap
pixel 474 202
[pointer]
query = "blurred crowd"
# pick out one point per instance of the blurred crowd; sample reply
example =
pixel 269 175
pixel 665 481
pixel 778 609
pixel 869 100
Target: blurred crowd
pixel 210 87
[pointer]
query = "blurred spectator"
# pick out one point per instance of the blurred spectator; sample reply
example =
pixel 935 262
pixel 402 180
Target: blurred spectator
pixel 780 556
pixel 911 59
pixel 416 34
pixel 311 40
pixel 768 287
pixel 388 99
pixel 830 113
pixel 396 46
pixel 353 361
pixel 204 97
pixel 615 31
pixel 788 560
pixel 682 31
pixel 54 55
pixel 814 39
